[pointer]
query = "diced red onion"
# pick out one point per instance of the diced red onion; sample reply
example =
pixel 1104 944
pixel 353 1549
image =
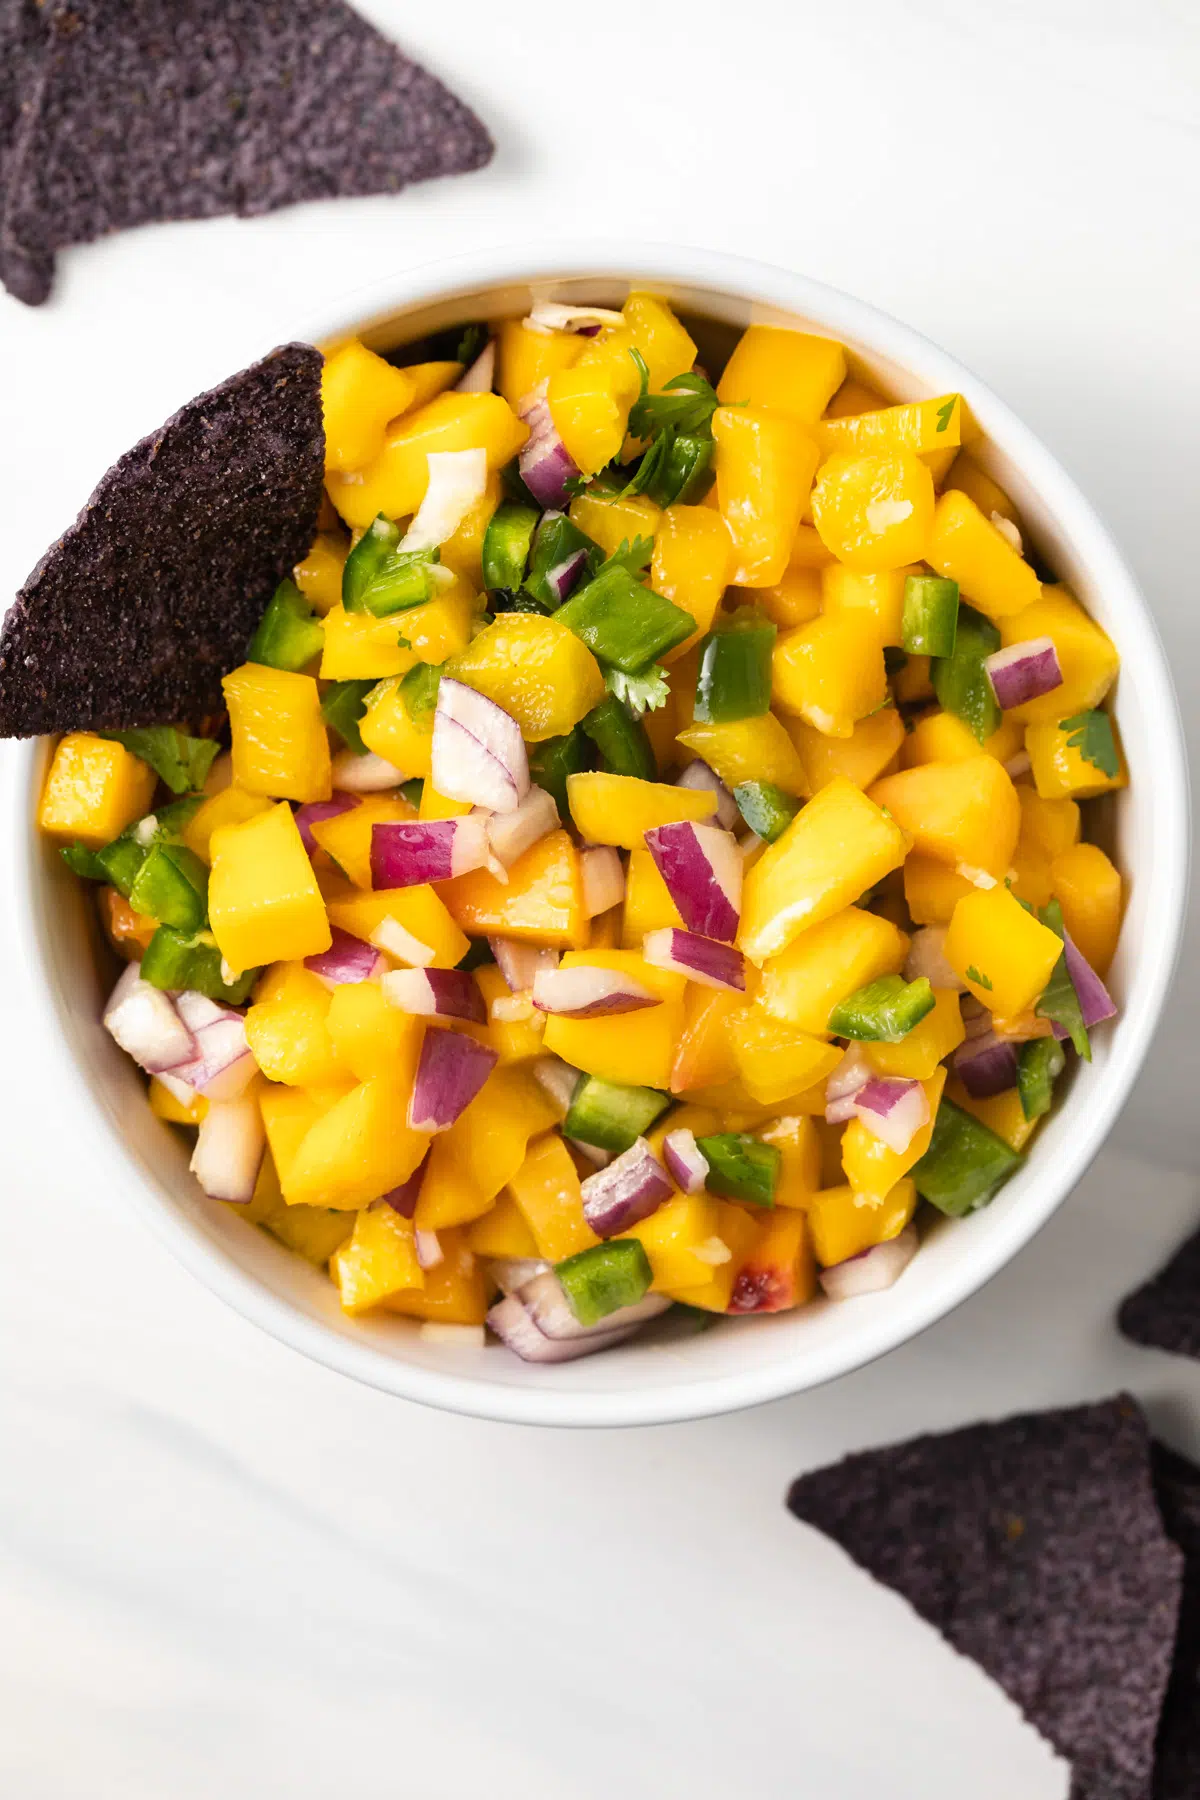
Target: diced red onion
pixel 409 852
pixel 478 754
pixel 316 812
pixel 977 1020
pixel 229 1149
pixel 564 576
pixel 927 956
pixel 403 1199
pixel 369 774
pixel 436 994
pixel 589 992
pixel 482 372
pixel 450 1072
pixel 557 1080
pixel 457 482
pixel 511 834
pixel 701 959
pixel 686 1162
pixel 222 1066
pixel 893 1111
pixel 590 1153
pixel 703 872
pixel 519 963
pixel 545 1302
pixel 871 1270
pixel 429 1249
pixel 547 316
pixel 512 1272
pixel 704 780
pixel 146 1024
pixel 853 1072
pixel 1095 1002
pixel 603 880
pixel 634 1185
pixel 546 465
pixel 986 1065
pixel 1024 671
pixel 392 938
pixel 514 1327
pixel 348 958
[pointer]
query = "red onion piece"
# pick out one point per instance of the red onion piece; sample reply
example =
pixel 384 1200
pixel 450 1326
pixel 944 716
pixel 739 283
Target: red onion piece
pixel 511 834
pixel 410 852
pixel 892 1110
pixel 514 1327
pixel 588 992
pixel 927 956
pixel 871 1270
pixel 634 1185
pixel 546 316
pixel 703 872
pixel 450 1072
pixel 686 1162
pixel 590 1153
pixel 429 1249
pixel 520 963
pixel 546 466
pixel 369 774
pixel 512 1272
pixel 348 958
pixel 436 994
pixel 482 372
pixel 558 1080
pixel 478 754
pixel 544 1301
pixel 977 1020
pixel 852 1073
pixel 564 576
pixel 603 880
pixel 704 780
pixel 701 959
pixel 222 1066
pixel 1024 671
pixel 986 1065
pixel 316 812
pixel 146 1024
pixel 1095 1002
pixel 229 1149
pixel 403 1199
pixel 391 937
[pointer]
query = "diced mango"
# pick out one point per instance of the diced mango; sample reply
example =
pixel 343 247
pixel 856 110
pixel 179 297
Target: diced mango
pixel 1060 769
pixel 462 552
pixel 916 1056
pixel 739 1233
pixel 874 512
pixel 1001 1113
pixel 347 836
pixel 164 1105
pixel 280 744
pixel 773 1059
pixel 389 729
pixel 289 1037
pixel 704 1056
pixel 128 932
pixel 546 1191
pixel 454 1291
pixel 360 647
pixel 394 481
pixel 648 902
pixel 360 394
pixel 370 1037
pixel 967 476
pixel 672 1236
pixel 621 809
pixel 1087 655
pixel 1087 886
pixel 430 379
pixel 514 1040
pixel 922 426
pixel 911 684
pixel 963 813
pixel 932 889
pixel 871 1168
pixel 657 334
pixel 537 670
pixel 757 749
pixel 232 806
pixel 838 845
pixel 264 904
pixel 693 553
pixel 604 931
pixel 319 576
pixel 380 1259
pixel 798 1141
pixel 808 552
pixel 541 903
pixel 783 371
pixel 854 397
pixel 639 1052
pixel 969 549
pixel 861 758
pixel 589 404
pixel 876 600
pixel 288 1115
pixel 765 463
pixel 613 519
pixel 358 1150
pixel 502 1231
pixel 527 358
pixel 794 599
pixel 421 912
pixel 806 981
pixel 830 672
pixel 1047 826
pixel 489 1139
pixel 437 806
pixel 1003 954
pixel 449 1195
pixel 842 1227
pixel 942 737
pixel 779 1272
pixel 94 790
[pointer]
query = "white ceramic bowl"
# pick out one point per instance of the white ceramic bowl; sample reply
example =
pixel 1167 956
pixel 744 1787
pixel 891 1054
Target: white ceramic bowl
pixel 143 1163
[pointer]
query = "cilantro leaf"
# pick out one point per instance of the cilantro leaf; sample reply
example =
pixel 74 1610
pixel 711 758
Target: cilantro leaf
pixel 1091 733
pixel 1060 1003
pixel 641 693
pixel 685 404
pixel 980 980
pixel 946 413
pixel 182 762
pixel 633 556
pixel 82 861
pixel 471 343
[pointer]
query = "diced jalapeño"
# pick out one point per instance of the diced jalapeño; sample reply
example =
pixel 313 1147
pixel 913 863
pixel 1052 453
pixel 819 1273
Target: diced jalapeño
pixel 624 623
pixel 382 579
pixel 930 620
pixel 767 810
pixel 960 680
pixel 289 634
pixel 177 959
pixel 611 1116
pixel 342 707
pixel 741 1167
pixel 964 1164
pixel 605 1278
pixel 734 680
pixel 506 545
pixel 621 740
pixel 551 761
pixel 884 1011
pixel 555 542
pixel 1039 1065
pixel 172 887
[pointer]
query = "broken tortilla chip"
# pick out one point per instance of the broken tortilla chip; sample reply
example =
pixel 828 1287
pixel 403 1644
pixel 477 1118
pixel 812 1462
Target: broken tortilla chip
pixel 1177 1761
pixel 1164 1314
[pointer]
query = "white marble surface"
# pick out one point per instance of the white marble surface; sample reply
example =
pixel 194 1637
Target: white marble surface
pixel 225 1572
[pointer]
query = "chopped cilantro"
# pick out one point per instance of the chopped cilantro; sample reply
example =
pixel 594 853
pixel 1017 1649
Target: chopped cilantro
pixel 471 343
pixel 1091 733
pixel 633 556
pixel 1060 1003
pixel 686 404
pixel 641 693
pixel 946 413
pixel 182 762
pixel 980 980
pixel 678 424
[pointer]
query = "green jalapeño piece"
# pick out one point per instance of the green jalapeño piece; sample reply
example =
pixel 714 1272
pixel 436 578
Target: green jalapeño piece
pixel 884 1011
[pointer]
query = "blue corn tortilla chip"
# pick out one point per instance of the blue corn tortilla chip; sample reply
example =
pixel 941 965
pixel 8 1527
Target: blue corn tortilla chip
pixel 21 41
pixel 1164 1314
pixel 153 595
pixel 1035 1546
pixel 146 110
pixel 1177 1760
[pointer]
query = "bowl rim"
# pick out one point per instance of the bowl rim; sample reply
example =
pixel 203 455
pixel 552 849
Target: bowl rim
pixel 664 1400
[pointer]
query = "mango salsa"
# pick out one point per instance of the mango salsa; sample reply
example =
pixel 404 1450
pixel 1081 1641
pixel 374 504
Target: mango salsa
pixel 94 789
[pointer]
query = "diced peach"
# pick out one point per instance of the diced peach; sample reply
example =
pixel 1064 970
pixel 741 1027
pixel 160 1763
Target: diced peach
pixel 678 1240
pixel 738 1232
pixel 379 1260
pixel 454 1291
pixel 127 931
pixel 703 1056
pixel 796 1138
pixel 779 1273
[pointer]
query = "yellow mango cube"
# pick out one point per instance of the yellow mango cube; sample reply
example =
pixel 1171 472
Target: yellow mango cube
pixel 932 889
pixel 804 983
pixel 877 599
pixel 454 1291
pixel 231 806
pixel 657 334
pixel 589 404
pixel 264 904
pixel 289 1037
pixel 929 1042
pixel 420 912
pixel 280 744
pixel 611 520
pixel 164 1105
pixel 1060 769
pixel 969 549
pixel 926 427
pixel 488 1142
pixel 94 790
pixel 621 809
pixel 360 647
pixel 794 599
pixel 836 847
pixel 842 1227
pixel 740 1235
pixel 370 1037
pixel 394 481
pixel 514 1040
pixel 963 813
pixel 798 1141
pixel 942 737
pixel 1003 954
pixel 808 552
pixel 693 553
pixel 638 1052
pixel 430 379
pixel 319 576
pixel 537 670
pixel 357 1151
pixel 774 1060
pixel 501 1231
pixel 541 902
pixel 449 1194
pixel 1047 826
pixel 389 729
pixel 967 476
pixel 360 395
pixel 874 512
pixel 648 902
pixel 462 552
pixel 288 1115
pixel 1001 1113
pixel 783 371
pixel 830 672
pixel 1086 654
pixel 527 358
pixel 438 806
pixel 347 836
pixel 854 397
pixel 1087 885
pixel 871 1168
pixel 765 463
pixel 379 1259
pixel 757 749
pixel 546 1191
pixel 862 758
pixel 704 1056
pixel 672 1236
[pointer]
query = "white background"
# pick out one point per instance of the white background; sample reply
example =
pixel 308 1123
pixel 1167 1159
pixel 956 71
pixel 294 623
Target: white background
pixel 224 1572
